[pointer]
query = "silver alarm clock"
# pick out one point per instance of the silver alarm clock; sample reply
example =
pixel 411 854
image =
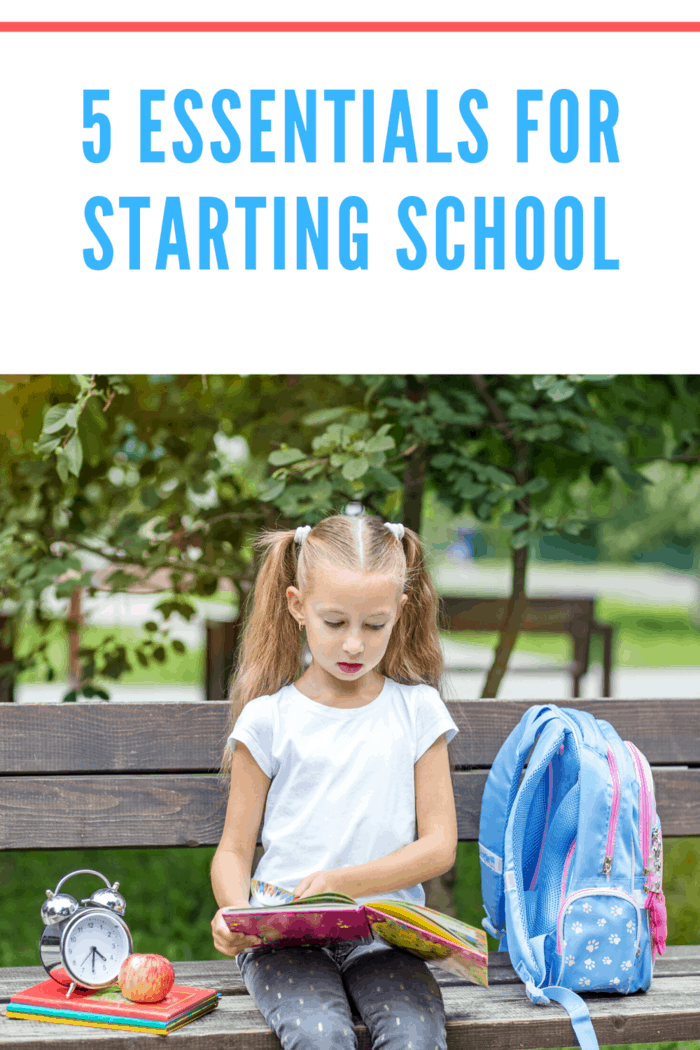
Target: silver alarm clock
pixel 84 944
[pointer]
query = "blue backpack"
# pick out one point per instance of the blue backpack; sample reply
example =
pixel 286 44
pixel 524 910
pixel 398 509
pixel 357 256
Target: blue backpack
pixel 571 861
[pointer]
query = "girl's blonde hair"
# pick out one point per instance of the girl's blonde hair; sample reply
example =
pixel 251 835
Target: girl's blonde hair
pixel 271 646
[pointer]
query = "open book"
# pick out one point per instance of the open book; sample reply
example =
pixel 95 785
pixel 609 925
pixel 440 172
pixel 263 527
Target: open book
pixel 328 917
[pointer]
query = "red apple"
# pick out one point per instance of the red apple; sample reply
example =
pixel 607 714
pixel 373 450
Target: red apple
pixel 146 978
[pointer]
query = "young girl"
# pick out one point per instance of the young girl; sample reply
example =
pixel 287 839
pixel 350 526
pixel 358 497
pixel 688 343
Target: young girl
pixel 349 765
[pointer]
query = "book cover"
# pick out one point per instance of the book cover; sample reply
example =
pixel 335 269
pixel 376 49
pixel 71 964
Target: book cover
pixel 301 925
pixel 50 996
pixel 321 919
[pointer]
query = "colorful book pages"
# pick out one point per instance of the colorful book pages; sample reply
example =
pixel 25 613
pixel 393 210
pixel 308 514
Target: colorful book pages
pixel 107 1007
pixel 431 945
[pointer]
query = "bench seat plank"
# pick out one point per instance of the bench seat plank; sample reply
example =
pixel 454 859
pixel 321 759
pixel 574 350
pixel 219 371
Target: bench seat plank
pixel 222 974
pixel 188 809
pixel 171 737
pixel 499 1018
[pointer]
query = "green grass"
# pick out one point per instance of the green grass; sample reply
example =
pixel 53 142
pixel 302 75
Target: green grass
pixel 168 894
pixel 645 636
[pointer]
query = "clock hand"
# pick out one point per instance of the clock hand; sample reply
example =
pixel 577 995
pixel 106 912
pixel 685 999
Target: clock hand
pixel 103 957
pixel 86 958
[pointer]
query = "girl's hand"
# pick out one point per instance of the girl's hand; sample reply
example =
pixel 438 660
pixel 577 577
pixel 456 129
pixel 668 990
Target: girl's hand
pixel 227 942
pixel 319 882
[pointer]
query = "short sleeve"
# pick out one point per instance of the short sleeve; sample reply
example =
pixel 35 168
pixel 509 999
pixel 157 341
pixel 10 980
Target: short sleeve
pixel 254 728
pixel 432 720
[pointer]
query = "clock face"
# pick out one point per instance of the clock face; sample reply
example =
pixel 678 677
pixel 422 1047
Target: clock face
pixel 94 945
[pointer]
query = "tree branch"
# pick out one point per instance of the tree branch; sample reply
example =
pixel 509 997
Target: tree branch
pixel 493 407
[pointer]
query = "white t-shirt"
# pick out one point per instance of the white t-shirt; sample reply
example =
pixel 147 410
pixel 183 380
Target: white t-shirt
pixel 342 790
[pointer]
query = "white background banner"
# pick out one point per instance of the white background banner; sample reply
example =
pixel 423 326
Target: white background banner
pixel 345 316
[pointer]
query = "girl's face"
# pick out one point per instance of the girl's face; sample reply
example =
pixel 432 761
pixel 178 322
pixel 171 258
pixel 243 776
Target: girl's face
pixel 348 617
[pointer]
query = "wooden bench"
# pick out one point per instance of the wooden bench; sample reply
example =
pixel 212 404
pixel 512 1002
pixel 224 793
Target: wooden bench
pixel 573 616
pixel 110 775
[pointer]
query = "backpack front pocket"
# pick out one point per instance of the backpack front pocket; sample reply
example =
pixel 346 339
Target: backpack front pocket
pixel 598 937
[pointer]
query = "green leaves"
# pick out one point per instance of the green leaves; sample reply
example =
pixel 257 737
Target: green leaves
pixel 347 463
pixel 512 521
pixel 183 608
pixel 59 416
pixel 284 456
pixel 536 485
pixel 355 468
pixel 325 415
pixel 271 490
pixel 380 443
pixel 74 455
pixel 386 480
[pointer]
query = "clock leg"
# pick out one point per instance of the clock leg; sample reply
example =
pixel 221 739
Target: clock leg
pixel 71 989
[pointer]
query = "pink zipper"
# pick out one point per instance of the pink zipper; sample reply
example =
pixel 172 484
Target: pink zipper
pixel 655 902
pixel 614 810
pixel 644 805
pixel 562 898
pixel 546 825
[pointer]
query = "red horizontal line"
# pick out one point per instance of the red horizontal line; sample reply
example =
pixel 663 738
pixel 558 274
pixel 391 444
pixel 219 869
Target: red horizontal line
pixel 350 27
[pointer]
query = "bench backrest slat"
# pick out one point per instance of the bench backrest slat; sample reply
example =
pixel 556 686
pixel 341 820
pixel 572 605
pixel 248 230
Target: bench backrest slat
pixel 188 809
pixel 542 614
pixel 170 737
pixel 118 775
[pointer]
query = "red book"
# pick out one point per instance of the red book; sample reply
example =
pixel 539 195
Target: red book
pixel 49 998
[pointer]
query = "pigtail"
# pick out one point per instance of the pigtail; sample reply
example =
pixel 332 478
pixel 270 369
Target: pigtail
pixel 414 653
pixel 270 653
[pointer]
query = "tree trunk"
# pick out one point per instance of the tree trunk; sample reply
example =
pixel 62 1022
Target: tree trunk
pixel 414 489
pixel 514 615
pixel 414 474
pixel 74 623
pixel 7 685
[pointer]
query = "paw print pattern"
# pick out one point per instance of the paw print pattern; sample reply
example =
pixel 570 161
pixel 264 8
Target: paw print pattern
pixel 625 965
pixel 592 945
pixel 569 960
pixel 631 926
pixel 589 964
pixel 615 980
pixel 577 927
pixel 602 922
pixel 606 960
pixel 616 910
pixel 586 906
pixel 584 980
pixel 614 939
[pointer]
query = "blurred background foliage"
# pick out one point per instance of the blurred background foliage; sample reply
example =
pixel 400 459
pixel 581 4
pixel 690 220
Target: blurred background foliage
pixel 170 477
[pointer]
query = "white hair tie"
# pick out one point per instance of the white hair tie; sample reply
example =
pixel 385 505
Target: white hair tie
pixel 397 529
pixel 301 533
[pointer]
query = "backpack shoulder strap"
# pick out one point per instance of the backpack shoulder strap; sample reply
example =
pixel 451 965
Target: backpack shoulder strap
pixel 496 804
pixel 578 1013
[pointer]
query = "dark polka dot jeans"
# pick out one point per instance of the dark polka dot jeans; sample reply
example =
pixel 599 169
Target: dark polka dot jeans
pixel 309 996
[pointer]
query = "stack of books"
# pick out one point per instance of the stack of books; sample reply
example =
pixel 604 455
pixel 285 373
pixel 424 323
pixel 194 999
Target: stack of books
pixel 108 1008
